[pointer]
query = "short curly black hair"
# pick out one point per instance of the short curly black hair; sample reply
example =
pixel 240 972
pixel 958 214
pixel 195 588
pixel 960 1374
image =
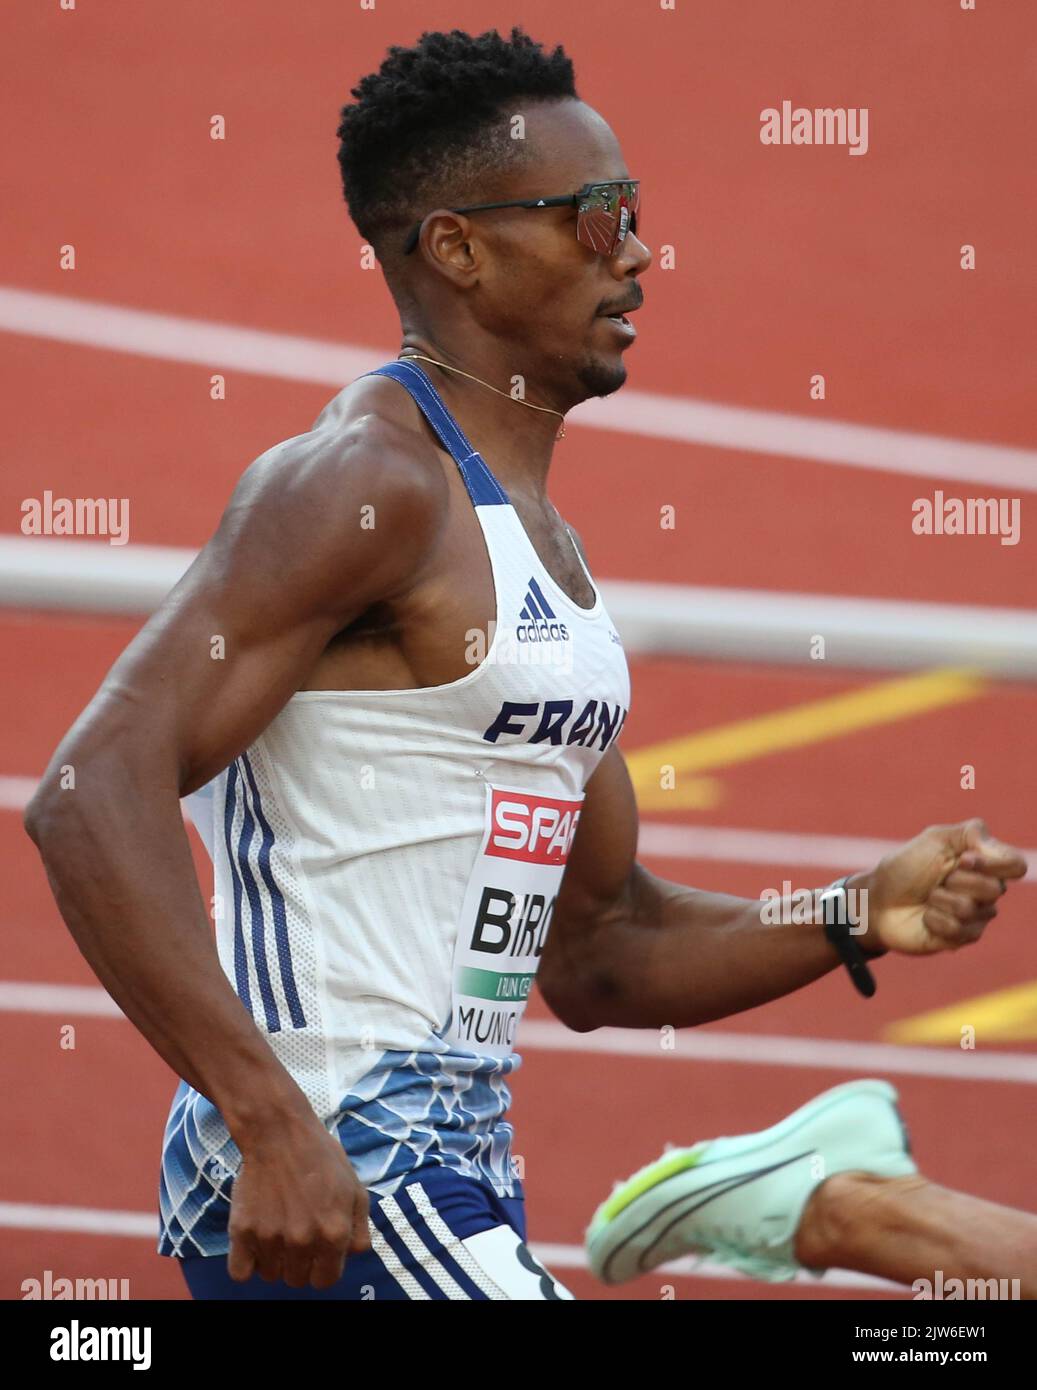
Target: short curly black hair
pixel 432 123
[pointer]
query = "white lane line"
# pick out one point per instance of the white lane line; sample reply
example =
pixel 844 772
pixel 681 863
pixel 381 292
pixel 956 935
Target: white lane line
pixel 776 1050
pixel 689 1045
pixel 840 442
pixel 89 1221
pixel 92 1221
pixel 15 792
pixel 727 844
pixel 177 338
pixel 80 1001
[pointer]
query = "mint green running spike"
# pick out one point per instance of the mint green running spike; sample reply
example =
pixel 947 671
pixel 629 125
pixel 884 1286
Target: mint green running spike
pixel 739 1200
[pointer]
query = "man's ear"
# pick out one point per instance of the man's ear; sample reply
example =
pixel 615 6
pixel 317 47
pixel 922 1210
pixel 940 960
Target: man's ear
pixel 448 245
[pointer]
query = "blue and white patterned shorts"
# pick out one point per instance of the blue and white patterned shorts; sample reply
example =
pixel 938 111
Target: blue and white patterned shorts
pixel 440 1235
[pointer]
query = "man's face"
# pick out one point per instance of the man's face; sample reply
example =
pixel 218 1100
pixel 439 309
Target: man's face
pixel 541 291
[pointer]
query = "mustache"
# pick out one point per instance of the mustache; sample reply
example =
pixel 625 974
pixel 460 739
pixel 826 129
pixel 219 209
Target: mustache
pixel 628 306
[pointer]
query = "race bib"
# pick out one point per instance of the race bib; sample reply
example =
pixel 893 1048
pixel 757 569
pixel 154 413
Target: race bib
pixel 506 915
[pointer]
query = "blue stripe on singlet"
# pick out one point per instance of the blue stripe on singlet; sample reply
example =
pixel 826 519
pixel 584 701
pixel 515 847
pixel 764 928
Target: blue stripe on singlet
pixel 240 959
pixel 248 825
pixel 284 952
pixel 483 487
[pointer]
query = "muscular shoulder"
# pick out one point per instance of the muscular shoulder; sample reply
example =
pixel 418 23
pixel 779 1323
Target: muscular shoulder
pixel 365 443
pixel 360 498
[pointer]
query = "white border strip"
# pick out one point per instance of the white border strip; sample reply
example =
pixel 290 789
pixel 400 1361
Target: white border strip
pixel 686 620
pixel 175 338
pixel 689 1044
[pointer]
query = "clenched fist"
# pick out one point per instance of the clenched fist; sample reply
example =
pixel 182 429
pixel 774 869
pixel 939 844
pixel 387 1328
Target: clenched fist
pixel 938 891
pixel 297 1208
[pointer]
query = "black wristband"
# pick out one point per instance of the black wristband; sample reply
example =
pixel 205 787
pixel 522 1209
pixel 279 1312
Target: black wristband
pixel 837 922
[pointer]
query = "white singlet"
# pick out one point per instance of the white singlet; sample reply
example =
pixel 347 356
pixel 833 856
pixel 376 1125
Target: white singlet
pixel 386 865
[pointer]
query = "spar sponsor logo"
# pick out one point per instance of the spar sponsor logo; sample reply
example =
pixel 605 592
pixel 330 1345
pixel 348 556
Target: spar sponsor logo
pixel 537 829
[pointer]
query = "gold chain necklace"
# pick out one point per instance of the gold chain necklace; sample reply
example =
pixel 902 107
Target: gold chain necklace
pixel 406 355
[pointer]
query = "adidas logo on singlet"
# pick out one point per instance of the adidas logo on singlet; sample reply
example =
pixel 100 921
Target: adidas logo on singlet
pixel 537 620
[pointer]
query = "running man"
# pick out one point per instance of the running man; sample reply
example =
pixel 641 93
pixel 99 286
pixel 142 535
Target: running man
pixel 395 679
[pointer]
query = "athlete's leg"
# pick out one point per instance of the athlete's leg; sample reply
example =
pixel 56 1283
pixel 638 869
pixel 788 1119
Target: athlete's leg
pixel 833 1185
pixel 907 1228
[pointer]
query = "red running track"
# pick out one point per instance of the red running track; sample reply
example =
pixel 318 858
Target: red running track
pixel 789 262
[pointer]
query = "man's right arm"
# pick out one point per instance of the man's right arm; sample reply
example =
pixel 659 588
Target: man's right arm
pixel 289 567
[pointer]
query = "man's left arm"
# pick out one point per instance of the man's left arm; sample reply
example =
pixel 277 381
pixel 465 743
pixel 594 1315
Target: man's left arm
pixel 629 949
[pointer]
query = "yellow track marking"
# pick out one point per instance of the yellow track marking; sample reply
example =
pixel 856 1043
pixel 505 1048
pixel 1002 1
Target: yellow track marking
pixel 1007 1015
pixel 728 744
pixel 687 794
